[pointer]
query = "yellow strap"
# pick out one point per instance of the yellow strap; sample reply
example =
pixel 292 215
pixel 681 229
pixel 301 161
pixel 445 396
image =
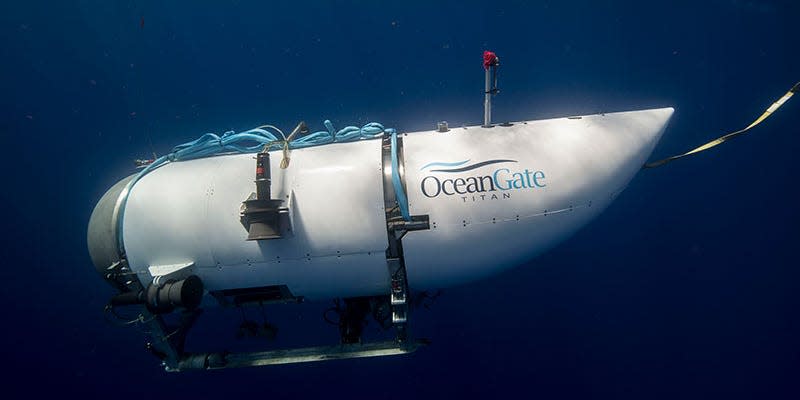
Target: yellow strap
pixel 285 148
pixel 285 143
pixel 719 140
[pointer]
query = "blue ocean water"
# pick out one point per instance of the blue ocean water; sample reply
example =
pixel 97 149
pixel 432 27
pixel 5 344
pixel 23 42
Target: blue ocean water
pixel 686 287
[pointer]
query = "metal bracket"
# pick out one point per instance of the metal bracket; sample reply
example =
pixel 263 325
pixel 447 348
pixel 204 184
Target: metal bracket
pixel 291 356
pixel 120 275
pixel 260 213
pixel 399 228
pixel 396 228
pixel 398 291
pixel 162 273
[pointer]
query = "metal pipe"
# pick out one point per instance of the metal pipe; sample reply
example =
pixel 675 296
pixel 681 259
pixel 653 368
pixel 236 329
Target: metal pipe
pixel 263 177
pixel 487 100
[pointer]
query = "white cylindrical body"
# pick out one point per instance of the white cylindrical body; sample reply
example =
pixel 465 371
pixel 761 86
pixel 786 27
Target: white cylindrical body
pixel 189 212
pixel 495 198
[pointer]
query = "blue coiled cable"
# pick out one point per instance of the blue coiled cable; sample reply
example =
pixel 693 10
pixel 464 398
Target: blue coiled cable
pixel 211 144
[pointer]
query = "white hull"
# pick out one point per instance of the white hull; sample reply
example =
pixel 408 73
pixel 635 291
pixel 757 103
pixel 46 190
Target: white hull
pixel 568 170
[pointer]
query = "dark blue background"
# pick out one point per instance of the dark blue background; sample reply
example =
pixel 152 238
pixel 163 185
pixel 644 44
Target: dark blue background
pixel 686 287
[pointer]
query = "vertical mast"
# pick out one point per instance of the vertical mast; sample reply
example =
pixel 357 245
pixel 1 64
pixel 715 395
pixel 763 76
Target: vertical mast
pixel 490 64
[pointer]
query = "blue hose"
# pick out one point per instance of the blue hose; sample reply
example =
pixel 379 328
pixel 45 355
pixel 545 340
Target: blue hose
pixel 253 141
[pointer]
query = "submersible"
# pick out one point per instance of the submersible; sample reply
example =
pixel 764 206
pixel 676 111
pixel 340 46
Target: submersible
pixel 367 221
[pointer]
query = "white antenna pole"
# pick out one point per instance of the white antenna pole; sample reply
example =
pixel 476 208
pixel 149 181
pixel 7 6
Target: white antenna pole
pixel 487 99
pixel 490 64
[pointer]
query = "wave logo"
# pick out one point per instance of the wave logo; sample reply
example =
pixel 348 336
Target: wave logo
pixel 501 180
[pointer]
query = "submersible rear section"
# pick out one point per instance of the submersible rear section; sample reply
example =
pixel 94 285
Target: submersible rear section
pixel 102 235
pixel 333 235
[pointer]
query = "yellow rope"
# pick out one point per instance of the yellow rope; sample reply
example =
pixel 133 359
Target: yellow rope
pixel 722 139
